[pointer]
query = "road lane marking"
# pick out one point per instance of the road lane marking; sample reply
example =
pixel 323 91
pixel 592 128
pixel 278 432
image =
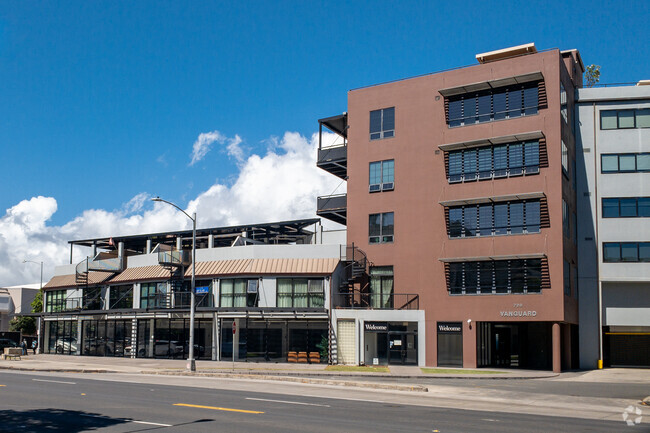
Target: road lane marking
pixel 288 402
pixel 345 398
pixel 217 408
pixel 54 381
pixel 153 423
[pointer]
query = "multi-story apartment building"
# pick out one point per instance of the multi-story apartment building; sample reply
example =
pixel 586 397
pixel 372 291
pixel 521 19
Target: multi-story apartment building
pixel 614 231
pixel 461 193
pixel 131 296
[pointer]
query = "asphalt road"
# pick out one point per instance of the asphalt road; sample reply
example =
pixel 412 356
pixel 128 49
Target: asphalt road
pixel 635 391
pixel 69 403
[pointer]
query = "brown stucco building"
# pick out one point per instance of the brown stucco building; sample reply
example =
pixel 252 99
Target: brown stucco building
pixel 461 190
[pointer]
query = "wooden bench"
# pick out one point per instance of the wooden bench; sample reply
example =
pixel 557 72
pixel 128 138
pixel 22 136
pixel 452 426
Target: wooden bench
pixel 13 353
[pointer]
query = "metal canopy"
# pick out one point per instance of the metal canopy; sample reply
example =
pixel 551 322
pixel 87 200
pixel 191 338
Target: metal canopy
pixel 337 124
pixel 283 232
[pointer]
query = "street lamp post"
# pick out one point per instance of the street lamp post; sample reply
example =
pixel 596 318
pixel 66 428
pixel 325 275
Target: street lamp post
pixel 191 362
pixel 38 331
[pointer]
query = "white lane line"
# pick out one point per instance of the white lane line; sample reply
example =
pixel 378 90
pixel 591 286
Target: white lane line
pixel 128 420
pixel 54 381
pixel 152 423
pixel 327 397
pixel 288 402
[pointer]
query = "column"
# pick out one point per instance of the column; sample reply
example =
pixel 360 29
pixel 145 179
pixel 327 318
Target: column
pixel 557 345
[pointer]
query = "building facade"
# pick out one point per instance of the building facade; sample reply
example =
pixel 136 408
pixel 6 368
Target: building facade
pixel 262 292
pixel 614 231
pixel 461 194
pixel 14 301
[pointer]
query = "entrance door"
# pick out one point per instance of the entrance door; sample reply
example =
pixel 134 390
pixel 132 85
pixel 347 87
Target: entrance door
pixel 402 348
pixel 502 345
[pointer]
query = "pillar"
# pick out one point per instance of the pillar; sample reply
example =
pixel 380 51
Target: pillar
pixel 567 361
pixel 179 243
pixel 148 247
pixel 557 348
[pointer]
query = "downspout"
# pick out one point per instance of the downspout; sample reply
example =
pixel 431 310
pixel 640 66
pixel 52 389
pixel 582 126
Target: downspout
pixel 598 249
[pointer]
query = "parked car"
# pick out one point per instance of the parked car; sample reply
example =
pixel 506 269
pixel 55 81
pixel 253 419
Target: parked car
pixel 5 342
pixel 66 345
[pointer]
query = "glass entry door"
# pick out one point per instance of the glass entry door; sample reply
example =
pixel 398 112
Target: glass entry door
pixel 402 348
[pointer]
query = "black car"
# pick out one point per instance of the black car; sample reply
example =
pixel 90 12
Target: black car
pixel 5 342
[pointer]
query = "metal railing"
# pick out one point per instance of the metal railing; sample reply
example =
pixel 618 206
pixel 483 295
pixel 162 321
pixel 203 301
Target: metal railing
pixel 332 202
pixel 174 258
pixel 373 301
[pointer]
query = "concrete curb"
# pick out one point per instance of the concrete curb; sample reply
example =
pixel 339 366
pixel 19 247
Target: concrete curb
pixel 60 370
pixel 375 375
pixel 394 387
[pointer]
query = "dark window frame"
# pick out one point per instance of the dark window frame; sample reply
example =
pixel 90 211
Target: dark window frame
pixel 118 297
pixel 614 246
pixel 508 102
pixel 384 235
pixel 618 162
pixel 500 165
pixel 479 228
pixel 614 204
pixel 528 274
pixel 618 118
pixel 384 184
pixel 384 131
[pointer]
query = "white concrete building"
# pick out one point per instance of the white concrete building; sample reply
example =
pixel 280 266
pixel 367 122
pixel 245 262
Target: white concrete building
pixel 15 300
pixel 613 161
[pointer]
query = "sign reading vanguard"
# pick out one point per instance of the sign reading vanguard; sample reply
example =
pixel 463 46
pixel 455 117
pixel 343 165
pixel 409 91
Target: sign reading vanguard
pixel 518 313
pixel 376 327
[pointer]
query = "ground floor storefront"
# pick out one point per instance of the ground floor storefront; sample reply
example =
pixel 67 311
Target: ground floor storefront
pixel 525 345
pixel 378 337
pixel 255 339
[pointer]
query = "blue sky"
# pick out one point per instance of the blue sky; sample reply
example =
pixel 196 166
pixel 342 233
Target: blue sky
pixel 102 102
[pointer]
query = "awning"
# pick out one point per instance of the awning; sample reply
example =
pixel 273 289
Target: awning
pixel 488 258
pixel 61 281
pixel 512 138
pixel 501 198
pixel 492 84
pixel 265 267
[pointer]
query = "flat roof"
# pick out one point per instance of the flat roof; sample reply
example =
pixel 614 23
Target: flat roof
pixel 282 232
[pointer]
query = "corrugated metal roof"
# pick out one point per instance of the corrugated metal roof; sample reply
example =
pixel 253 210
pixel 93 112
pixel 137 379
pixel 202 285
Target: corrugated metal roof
pixel 61 281
pixel 141 274
pixel 264 266
pixel 209 269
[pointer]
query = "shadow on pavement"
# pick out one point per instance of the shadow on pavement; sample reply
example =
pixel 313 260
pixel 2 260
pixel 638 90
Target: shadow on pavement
pixel 54 420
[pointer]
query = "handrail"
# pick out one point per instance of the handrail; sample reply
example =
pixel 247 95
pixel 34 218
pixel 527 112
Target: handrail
pixel 376 301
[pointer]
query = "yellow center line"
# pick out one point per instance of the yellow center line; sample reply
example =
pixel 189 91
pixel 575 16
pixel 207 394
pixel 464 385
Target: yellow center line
pixel 216 408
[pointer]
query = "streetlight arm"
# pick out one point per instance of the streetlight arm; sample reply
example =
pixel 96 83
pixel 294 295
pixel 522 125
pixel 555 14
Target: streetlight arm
pixel 172 204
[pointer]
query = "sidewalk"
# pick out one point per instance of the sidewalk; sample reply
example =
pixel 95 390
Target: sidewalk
pixel 90 364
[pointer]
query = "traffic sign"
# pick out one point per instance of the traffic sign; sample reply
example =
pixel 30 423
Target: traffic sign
pixel 234 327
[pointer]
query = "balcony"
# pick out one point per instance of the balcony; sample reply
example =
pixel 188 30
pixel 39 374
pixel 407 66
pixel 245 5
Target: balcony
pixel 333 207
pixel 373 301
pixel 333 157
pixel 174 258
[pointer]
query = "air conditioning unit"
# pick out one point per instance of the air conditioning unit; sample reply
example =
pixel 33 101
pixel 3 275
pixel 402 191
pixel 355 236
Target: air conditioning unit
pixel 533 169
pixel 374 187
pixel 388 186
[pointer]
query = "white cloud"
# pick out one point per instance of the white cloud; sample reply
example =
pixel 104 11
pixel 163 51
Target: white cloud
pixel 279 185
pixel 203 143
